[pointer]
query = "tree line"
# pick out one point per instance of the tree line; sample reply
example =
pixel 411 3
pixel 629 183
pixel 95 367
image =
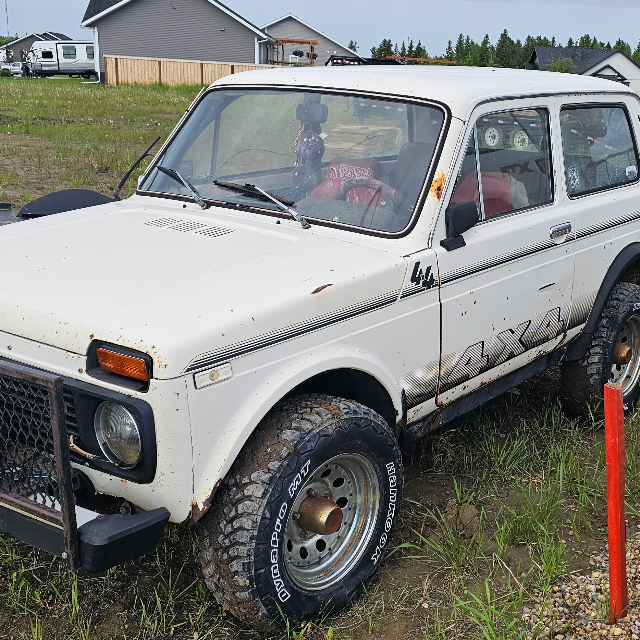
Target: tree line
pixel 506 52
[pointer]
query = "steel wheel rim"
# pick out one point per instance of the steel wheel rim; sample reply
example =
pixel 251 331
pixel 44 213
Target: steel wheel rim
pixel 326 559
pixel 628 374
pixel 491 136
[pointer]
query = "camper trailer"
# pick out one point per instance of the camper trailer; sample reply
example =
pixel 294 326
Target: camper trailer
pixel 63 57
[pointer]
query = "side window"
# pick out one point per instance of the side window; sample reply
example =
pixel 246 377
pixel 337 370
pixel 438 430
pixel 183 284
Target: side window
pixel 47 55
pixel 68 52
pixel 511 153
pixel 599 150
pixel 90 51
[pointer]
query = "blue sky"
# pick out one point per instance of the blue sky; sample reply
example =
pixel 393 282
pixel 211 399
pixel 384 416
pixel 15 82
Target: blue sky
pixel 432 21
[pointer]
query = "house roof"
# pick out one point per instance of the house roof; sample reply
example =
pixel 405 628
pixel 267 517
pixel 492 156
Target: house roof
pixel 584 59
pixel 47 35
pixel 306 24
pixel 99 8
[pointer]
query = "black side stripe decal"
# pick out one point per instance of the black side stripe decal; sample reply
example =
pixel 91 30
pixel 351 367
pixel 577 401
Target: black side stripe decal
pixel 489 263
pixel 277 336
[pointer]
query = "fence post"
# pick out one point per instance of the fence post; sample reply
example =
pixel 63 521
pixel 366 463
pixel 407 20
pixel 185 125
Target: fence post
pixel 614 436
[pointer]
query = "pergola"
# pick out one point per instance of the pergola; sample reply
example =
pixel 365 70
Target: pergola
pixel 280 42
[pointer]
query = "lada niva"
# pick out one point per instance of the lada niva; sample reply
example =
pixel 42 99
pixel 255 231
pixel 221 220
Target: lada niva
pixel 318 267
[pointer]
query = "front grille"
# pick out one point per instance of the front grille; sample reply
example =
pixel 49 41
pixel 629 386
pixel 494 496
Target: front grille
pixel 27 458
pixel 70 417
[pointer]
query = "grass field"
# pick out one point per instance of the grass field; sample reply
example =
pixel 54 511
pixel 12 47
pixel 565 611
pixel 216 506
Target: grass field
pixel 498 505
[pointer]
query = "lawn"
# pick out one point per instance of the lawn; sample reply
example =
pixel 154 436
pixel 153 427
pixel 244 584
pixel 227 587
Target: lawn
pixel 500 506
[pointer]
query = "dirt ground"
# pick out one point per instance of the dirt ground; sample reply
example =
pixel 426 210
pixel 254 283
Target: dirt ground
pixel 499 505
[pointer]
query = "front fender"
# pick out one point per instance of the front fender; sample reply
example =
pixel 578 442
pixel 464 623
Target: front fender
pixel 224 415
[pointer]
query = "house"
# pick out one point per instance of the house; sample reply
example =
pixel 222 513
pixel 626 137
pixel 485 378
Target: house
pixel 175 29
pixel 611 65
pixel 26 42
pixel 292 27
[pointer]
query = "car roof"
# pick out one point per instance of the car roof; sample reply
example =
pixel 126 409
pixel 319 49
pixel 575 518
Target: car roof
pixel 461 88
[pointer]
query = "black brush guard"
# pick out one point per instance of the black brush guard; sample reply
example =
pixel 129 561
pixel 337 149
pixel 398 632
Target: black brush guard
pixel 37 503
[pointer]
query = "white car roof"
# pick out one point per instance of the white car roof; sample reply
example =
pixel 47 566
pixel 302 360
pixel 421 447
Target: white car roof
pixel 461 88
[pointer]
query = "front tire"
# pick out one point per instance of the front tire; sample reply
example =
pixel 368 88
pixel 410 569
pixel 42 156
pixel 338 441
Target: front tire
pixel 583 380
pixel 257 556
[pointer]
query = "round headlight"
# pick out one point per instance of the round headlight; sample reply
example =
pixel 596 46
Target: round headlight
pixel 118 434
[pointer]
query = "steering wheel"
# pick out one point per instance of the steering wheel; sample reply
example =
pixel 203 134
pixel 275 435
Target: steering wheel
pixel 383 188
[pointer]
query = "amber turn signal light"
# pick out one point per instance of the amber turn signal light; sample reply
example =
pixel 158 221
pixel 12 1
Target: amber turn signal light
pixel 122 365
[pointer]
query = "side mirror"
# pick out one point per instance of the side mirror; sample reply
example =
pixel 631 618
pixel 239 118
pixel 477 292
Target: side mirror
pixel 459 219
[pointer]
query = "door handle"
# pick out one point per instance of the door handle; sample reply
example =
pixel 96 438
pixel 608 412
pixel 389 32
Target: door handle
pixel 559 230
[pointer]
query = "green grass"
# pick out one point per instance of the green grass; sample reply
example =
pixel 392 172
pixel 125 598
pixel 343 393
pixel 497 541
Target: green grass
pixel 57 134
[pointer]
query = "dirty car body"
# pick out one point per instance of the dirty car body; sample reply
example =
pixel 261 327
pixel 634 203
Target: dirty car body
pixel 446 260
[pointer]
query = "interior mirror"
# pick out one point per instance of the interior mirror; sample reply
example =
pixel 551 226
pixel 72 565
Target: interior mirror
pixel 312 112
pixel 458 219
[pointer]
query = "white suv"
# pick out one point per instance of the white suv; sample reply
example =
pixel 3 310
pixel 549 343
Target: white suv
pixel 318 267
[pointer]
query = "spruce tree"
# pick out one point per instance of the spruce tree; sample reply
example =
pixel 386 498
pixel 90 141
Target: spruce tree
pixel 460 53
pixel 623 46
pixel 503 50
pixel 449 53
pixel 636 54
pixel 570 42
pixel 485 52
pixel 420 51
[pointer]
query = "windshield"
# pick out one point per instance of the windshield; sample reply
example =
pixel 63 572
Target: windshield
pixel 346 159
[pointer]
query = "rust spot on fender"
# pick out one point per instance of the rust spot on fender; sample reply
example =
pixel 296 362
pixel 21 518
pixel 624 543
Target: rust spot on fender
pixel 196 511
pixel 437 185
pixel 319 289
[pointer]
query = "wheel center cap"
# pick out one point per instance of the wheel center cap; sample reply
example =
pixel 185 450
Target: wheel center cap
pixel 319 515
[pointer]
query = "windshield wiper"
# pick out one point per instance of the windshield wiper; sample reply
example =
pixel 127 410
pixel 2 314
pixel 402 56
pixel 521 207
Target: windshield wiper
pixel 256 192
pixel 172 173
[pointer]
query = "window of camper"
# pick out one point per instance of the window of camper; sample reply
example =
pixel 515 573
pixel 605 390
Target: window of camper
pixel 90 51
pixel 68 52
pixel 47 55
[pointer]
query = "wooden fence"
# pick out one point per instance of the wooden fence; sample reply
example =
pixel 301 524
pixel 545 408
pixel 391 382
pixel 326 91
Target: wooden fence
pixel 128 70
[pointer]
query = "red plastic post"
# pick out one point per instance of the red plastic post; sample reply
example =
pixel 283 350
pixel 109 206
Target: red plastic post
pixel 614 436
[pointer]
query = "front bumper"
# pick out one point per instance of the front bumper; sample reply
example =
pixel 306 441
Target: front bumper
pixel 103 541
pixel 37 501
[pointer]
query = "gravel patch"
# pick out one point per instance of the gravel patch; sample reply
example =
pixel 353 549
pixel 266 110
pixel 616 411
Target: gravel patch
pixel 578 607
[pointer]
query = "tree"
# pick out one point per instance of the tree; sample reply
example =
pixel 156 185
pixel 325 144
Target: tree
pixel 485 52
pixel 636 54
pixel 527 49
pixel 570 42
pixel 353 45
pixel 449 54
pixel 503 50
pixel 585 41
pixel 623 46
pixel 411 52
pixel 562 65
pixel 403 50
pixel 461 52
pixel 383 50
pixel 553 41
pixel 420 51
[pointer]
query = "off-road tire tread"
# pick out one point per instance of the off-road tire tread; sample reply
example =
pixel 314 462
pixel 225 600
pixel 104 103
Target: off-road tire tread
pixel 583 380
pixel 229 529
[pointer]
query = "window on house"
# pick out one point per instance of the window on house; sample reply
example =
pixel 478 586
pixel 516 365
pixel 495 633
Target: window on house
pixel 599 150
pixel 511 153
pixel 68 52
pixel 90 51
pixel 47 55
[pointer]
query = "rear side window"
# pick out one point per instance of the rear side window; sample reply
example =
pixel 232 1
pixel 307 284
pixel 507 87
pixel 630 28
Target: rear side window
pixel 68 52
pixel 507 164
pixel 47 55
pixel 90 51
pixel 599 150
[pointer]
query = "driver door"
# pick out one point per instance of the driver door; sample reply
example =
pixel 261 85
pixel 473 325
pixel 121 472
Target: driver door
pixel 505 294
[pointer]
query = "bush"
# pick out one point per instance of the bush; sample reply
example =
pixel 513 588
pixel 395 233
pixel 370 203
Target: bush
pixel 562 65
pixel 5 74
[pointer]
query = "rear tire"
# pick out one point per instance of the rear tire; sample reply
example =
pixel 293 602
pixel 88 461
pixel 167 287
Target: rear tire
pixel 257 559
pixel 583 380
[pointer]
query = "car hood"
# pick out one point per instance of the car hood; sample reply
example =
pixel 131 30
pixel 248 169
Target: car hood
pixel 182 286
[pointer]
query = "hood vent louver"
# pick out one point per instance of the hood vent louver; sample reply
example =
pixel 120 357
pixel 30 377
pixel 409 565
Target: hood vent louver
pixel 189 226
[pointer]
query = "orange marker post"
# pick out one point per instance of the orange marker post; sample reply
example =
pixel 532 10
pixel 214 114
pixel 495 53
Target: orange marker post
pixel 614 436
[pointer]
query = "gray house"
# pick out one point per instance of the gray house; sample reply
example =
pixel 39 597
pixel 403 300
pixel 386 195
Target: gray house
pixel 175 29
pixel 600 63
pixel 290 26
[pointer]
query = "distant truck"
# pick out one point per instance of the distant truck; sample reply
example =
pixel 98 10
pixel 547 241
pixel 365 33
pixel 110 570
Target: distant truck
pixel 63 57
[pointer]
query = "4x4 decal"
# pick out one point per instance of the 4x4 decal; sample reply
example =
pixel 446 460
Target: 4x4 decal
pixel 420 385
